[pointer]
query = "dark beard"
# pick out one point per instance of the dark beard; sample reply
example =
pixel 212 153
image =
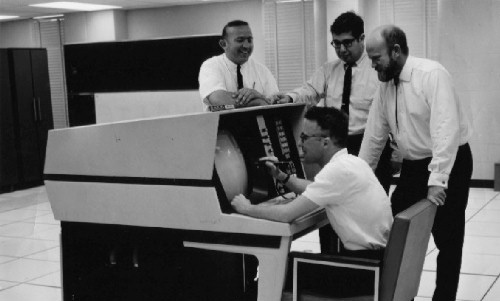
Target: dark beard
pixel 388 74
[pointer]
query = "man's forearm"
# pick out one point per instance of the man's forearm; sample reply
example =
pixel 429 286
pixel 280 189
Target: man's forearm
pixel 258 102
pixel 276 213
pixel 295 184
pixel 221 97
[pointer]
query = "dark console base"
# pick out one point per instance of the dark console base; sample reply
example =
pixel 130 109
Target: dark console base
pixel 113 262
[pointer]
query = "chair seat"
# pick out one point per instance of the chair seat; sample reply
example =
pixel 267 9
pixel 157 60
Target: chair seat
pixel 396 277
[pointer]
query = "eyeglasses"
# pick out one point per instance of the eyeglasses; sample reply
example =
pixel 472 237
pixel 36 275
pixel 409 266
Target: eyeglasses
pixel 304 137
pixel 347 43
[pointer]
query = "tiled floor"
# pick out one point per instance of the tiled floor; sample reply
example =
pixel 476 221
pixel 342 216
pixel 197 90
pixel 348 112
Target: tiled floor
pixel 30 253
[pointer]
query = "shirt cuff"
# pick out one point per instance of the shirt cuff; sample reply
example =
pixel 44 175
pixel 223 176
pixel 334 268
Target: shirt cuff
pixel 438 179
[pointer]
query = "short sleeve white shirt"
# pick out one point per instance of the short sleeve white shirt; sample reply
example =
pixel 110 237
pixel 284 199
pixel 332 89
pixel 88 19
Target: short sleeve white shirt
pixel 357 206
pixel 219 73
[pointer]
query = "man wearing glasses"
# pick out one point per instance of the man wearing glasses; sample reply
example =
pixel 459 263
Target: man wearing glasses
pixel 349 84
pixel 356 204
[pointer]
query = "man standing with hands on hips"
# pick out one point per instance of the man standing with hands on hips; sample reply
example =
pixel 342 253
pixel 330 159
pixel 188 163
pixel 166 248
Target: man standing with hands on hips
pixel 233 79
pixel 417 102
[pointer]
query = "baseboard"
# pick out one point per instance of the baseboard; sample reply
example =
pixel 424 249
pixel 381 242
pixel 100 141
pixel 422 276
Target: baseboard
pixel 481 183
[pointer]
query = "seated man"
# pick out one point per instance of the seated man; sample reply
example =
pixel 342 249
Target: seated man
pixel 355 202
pixel 233 79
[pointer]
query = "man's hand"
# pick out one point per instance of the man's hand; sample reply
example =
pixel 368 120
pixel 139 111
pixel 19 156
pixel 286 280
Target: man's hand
pixel 437 195
pixel 240 203
pixel 271 168
pixel 280 98
pixel 244 95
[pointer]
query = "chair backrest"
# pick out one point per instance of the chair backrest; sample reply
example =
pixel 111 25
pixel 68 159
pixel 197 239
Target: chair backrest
pixel 405 252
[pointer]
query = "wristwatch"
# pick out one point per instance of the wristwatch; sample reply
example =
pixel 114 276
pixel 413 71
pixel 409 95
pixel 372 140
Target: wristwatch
pixel 285 180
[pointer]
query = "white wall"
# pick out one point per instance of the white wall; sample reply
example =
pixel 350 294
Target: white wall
pixel 22 33
pixel 469 48
pixel 97 26
pixel 201 19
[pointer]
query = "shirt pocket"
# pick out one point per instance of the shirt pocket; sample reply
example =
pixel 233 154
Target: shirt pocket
pixel 362 103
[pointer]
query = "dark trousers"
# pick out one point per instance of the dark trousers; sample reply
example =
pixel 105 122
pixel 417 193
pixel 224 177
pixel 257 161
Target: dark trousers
pixel 328 239
pixel 449 224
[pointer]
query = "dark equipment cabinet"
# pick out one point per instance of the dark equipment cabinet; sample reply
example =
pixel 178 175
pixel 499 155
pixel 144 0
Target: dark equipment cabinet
pixel 25 116
pixel 127 66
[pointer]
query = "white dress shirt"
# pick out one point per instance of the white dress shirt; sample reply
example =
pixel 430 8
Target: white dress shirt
pixel 430 120
pixel 329 80
pixel 356 204
pixel 219 73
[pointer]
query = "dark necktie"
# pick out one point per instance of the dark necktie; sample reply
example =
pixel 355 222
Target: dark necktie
pixel 396 83
pixel 346 93
pixel 239 77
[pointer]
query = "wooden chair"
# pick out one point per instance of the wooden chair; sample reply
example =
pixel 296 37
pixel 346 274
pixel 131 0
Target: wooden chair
pixel 396 277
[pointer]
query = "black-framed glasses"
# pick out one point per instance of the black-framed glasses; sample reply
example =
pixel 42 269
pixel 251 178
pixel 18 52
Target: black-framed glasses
pixel 304 137
pixel 346 42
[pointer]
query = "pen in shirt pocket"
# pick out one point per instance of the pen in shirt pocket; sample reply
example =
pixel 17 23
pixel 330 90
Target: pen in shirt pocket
pixel 253 86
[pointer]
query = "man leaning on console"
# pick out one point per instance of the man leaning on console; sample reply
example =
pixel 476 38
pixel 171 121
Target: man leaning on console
pixel 355 104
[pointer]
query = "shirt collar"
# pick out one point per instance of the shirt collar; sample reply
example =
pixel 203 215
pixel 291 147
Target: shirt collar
pixel 405 74
pixel 358 62
pixel 361 59
pixel 231 64
pixel 339 153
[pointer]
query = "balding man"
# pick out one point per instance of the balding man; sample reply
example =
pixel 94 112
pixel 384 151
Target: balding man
pixel 233 79
pixel 417 103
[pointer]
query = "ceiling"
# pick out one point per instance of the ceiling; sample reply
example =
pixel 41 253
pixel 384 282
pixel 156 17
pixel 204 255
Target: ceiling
pixel 22 9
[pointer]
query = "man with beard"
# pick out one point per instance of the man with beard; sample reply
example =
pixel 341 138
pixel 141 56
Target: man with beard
pixel 349 84
pixel 233 79
pixel 418 104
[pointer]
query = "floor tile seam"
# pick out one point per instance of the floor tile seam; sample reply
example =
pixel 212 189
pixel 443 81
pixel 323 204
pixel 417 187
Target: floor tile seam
pixel 482 253
pixel 42 285
pixel 33 238
pixel 487 221
pixel 478 235
pixel 9 222
pixel 10 281
pixel 489 289
pixel 12 258
pixel 47 260
pixel 26 218
pixel 19 203
pixel 481 236
pixel 33 259
pixel 475 213
pixel 433 270
pixel 22 256
pixel 29 223
pixel 430 251
pixel 38 259
pixel 23 208
pixel 479 274
pixel 36 252
pixel 28 282
pixel 26 238
pixel 55 247
pixel 43 223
